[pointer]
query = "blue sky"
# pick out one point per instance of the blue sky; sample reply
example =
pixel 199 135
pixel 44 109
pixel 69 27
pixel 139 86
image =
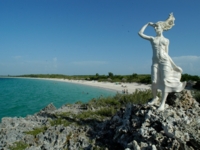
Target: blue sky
pixel 78 37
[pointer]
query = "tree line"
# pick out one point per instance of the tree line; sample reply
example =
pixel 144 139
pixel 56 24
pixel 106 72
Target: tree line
pixel 110 77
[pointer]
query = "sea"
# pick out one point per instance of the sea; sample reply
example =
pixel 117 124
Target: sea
pixel 20 97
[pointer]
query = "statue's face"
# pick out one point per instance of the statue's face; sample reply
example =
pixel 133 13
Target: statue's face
pixel 158 29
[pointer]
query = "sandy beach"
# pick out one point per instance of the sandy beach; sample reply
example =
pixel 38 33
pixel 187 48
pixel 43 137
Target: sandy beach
pixel 118 87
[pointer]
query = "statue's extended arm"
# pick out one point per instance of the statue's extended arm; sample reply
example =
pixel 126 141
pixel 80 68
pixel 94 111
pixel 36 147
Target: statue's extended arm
pixel 141 32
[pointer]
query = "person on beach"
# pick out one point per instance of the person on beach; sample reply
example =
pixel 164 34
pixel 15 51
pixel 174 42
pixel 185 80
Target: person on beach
pixel 165 75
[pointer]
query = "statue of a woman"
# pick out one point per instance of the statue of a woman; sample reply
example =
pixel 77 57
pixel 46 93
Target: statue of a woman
pixel 165 75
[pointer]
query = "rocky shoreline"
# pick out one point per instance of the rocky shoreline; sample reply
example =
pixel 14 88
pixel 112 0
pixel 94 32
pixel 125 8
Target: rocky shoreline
pixel 133 127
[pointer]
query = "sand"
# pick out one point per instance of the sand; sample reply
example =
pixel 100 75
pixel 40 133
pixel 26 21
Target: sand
pixel 118 87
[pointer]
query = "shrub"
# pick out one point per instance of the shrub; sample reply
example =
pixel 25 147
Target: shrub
pixel 107 112
pixel 103 102
pixel 146 80
pixel 138 97
pixel 98 114
pixel 85 115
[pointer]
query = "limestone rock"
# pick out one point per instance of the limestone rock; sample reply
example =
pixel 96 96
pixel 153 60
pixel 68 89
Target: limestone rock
pixel 134 127
pixel 47 111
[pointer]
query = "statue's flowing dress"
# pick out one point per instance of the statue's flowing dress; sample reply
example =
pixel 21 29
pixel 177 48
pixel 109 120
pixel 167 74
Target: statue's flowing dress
pixel 168 79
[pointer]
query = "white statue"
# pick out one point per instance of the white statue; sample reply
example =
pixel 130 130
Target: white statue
pixel 165 75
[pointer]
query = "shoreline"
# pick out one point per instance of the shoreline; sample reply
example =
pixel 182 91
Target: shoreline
pixel 80 126
pixel 118 87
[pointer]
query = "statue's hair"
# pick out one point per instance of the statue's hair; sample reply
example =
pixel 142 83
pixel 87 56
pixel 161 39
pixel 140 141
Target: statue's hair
pixel 168 24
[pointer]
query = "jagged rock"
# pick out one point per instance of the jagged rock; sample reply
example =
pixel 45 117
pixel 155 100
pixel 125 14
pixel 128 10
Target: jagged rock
pixel 29 139
pixel 125 122
pixel 182 100
pixel 136 146
pixel 154 147
pixel 174 127
pixel 134 127
pixel 49 108
pixel 47 111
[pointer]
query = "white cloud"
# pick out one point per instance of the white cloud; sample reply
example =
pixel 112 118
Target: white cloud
pixel 183 59
pixel 189 64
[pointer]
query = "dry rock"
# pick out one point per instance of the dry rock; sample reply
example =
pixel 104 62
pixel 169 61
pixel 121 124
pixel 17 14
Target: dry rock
pixel 134 127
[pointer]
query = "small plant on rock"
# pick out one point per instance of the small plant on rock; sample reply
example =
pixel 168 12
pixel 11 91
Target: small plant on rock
pixel 36 131
pixel 18 146
pixel 60 121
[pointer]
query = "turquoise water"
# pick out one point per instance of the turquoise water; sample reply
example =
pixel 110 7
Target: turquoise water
pixel 22 97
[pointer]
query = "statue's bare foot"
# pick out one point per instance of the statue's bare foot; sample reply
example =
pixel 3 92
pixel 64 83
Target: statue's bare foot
pixel 161 108
pixel 153 101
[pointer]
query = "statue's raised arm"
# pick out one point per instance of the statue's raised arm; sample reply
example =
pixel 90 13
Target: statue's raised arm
pixel 141 32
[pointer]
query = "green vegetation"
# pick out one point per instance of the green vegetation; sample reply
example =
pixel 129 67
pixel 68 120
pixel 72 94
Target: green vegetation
pixel 119 100
pixel 187 77
pixel 122 78
pixel 102 108
pixel 18 146
pixel 36 131
pixel 101 78
pixel 142 78
pixel 98 114
pixel 60 121
pixel 107 112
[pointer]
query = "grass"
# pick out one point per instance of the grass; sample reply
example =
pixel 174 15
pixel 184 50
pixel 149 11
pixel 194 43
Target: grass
pixel 60 121
pixel 98 114
pixel 104 102
pixel 119 100
pixel 105 107
pixel 18 146
pixel 36 131
pixel 64 114
pixel 106 112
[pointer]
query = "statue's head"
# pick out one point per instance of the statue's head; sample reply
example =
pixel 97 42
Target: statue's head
pixel 158 28
pixel 166 25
